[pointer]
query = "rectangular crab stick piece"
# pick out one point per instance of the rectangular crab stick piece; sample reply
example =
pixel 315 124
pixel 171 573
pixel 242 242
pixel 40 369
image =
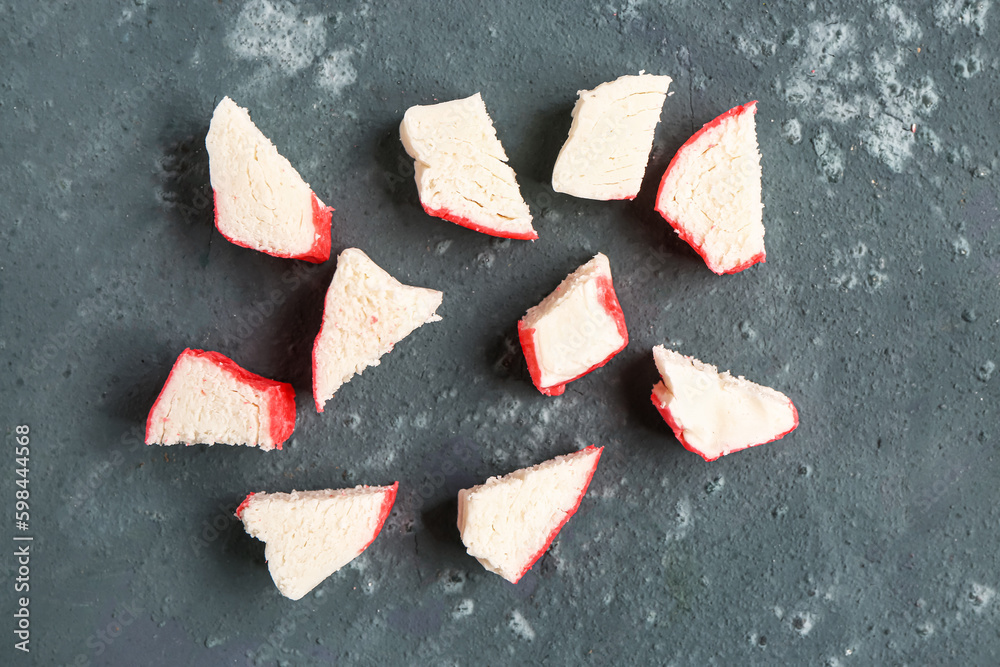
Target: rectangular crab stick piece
pixel 577 328
pixel 508 522
pixel 209 399
pixel 608 146
pixel 261 202
pixel 365 314
pixel 461 168
pixel 713 413
pixel 711 192
pixel 309 535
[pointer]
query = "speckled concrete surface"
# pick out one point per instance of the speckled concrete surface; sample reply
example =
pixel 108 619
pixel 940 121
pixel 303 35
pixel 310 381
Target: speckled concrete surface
pixel 867 537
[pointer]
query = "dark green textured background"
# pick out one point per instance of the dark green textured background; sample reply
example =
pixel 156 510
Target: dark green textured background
pixel 867 537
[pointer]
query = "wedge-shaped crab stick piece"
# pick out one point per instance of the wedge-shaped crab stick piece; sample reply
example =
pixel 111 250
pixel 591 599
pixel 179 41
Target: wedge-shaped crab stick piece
pixel 261 202
pixel 209 399
pixel 510 521
pixel 574 330
pixel 309 535
pixel 461 169
pixel 608 147
pixel 713 413
pixel 366 313
pixel 711 192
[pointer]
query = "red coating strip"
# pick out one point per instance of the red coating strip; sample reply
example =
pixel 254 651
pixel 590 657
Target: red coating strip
pixel 315 374
pixel 244 505
pixel 469 224
pixel 387 503
pixel 320 250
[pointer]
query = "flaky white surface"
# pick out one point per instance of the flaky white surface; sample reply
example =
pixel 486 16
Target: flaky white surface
pixel 261 200
pixel 719 413
pixel 506 521
pixel 713 191
pixel 366 313
pixel 461 166
pixel 312 534
pixel 202 403
pixel 573 330
pixel 608 146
